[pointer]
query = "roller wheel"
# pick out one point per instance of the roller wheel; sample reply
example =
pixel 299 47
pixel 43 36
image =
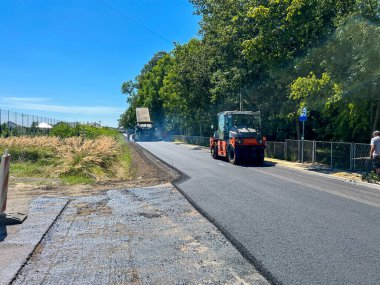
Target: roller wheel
pixel 233 155
pixel 214 152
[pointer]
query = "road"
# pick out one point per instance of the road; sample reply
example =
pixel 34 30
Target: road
pixel 296 227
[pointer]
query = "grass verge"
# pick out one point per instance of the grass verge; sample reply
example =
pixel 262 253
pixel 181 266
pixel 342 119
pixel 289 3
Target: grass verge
pixel 74 160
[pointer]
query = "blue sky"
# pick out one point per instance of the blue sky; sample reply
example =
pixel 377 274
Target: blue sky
pixel 67 59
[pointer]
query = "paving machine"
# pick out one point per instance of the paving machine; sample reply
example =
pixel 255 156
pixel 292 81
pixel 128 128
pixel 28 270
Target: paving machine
pixel 238 137
pixel 144 130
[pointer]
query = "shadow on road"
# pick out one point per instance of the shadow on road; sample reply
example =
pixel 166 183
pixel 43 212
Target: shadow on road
pixel 251 164
pixel 3 230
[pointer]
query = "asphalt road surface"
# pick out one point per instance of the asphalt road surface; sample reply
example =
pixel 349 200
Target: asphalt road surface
pixel 296 227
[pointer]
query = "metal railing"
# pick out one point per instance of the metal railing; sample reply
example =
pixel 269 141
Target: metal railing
pixel 23 120
pixel 17 124
pixel 338 155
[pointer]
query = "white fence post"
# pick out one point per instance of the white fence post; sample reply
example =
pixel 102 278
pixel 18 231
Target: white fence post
pixel 4 178
pixel 331 155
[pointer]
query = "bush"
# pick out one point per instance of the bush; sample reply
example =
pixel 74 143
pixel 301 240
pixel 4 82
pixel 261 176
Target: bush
pixel 64 130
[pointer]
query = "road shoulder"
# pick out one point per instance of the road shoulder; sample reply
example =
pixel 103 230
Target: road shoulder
pixel 148 235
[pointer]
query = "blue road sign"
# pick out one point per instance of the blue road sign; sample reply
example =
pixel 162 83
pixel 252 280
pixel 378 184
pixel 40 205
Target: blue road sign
pixel 303 115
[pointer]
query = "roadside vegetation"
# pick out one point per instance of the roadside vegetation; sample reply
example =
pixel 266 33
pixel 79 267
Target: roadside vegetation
pixel 81 154
pixel 278 57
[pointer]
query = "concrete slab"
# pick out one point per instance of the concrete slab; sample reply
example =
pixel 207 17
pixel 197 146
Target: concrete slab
pixel 15 249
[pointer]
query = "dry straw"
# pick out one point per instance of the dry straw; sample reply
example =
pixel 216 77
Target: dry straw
pixel 97 158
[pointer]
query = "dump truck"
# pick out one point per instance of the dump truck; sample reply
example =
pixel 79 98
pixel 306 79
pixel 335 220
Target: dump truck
pixel 238 137
pixel 145 130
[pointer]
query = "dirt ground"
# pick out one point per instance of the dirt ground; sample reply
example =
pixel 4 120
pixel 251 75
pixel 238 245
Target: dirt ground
pixel 146 171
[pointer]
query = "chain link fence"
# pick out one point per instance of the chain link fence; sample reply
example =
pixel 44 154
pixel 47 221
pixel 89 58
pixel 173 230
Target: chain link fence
pixel 15 123
pixel 338 155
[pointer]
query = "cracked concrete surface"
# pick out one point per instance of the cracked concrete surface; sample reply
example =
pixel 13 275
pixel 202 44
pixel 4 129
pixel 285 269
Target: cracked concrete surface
pixel 14 251
pixel 146 235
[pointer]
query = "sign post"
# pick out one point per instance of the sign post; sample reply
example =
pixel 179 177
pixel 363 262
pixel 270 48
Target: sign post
pixel 303 118
pixel 11 218
pixel 4 177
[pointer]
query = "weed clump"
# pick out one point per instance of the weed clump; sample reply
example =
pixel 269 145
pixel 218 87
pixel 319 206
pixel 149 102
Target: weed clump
pixel 371 177
pixel 73 159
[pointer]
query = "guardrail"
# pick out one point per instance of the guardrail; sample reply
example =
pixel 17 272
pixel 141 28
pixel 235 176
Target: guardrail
pixel 338 155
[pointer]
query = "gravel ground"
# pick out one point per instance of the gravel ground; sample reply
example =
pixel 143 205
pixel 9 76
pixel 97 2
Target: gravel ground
pixel 148 235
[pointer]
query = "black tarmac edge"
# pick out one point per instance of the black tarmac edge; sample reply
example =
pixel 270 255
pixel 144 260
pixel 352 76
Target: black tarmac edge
pixel 39 242
pixel 239 246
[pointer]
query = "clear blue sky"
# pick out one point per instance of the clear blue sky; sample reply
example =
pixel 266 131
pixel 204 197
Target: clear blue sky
pixel 66 59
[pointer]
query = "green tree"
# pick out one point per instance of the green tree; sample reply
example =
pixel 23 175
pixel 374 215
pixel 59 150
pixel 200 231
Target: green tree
pixel 351 59
pixel 275 56
pixel 144 91
pixel 186 88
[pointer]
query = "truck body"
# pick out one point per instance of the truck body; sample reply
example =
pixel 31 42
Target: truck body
pixel 145 130
pixel 238 137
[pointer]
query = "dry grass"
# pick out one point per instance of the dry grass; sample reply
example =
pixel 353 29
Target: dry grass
pixel 99 159
pixel 30 142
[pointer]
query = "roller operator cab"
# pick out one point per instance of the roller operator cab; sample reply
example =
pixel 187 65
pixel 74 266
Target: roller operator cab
pixel 238 137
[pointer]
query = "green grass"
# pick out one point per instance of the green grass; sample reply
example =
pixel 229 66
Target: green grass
pixel 73 179
pixel 125 156
pixel 30 169
pixel 34 154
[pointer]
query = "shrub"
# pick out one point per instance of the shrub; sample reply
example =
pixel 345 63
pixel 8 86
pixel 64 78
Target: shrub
pixel 64 130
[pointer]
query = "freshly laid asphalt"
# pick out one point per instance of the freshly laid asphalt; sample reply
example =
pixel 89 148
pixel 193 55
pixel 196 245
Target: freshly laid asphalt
pixel 296 227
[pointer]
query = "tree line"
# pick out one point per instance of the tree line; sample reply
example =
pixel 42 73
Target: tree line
pixel 275 56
